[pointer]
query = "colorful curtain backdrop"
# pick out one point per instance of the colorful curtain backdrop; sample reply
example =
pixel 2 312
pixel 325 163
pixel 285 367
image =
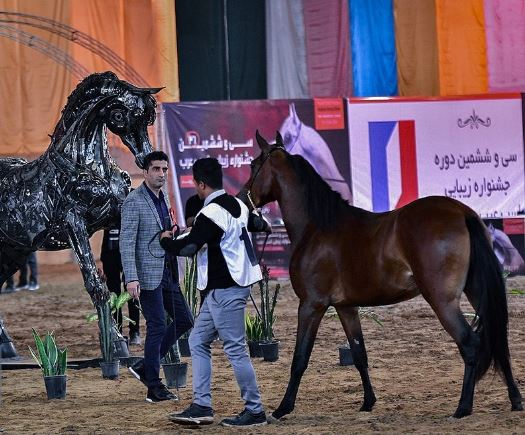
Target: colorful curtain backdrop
pixel 373 48
pixel 397 47
pixel 505 32
pixel 416 46
pixel 34 86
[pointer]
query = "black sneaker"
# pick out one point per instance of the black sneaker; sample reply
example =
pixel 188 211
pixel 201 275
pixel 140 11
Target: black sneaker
pixel 159 394
pixel 244 419
pixel 138 371
pixel 195 415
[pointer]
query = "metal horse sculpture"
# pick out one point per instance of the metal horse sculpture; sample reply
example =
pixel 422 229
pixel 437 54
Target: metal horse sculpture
pixel 75 188
pixel 346 257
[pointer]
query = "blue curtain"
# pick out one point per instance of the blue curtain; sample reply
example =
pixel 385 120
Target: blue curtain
pixel 373 48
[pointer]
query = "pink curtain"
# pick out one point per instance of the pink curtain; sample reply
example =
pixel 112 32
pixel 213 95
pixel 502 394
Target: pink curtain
pixel 505 32
pixel 327 37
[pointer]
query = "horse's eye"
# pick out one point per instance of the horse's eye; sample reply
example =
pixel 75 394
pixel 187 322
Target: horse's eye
pixel 117 116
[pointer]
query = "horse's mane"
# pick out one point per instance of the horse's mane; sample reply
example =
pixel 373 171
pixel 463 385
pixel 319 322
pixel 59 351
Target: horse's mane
pixel 92 89
pixel 324 206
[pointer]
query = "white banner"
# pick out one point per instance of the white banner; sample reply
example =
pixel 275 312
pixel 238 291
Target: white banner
pixel 471 150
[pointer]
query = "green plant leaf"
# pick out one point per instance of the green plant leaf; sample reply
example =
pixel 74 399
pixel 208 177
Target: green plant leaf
pixel 44 360
pixel 62 362
pixel 121 300
pixel 92 317
pixel 51 350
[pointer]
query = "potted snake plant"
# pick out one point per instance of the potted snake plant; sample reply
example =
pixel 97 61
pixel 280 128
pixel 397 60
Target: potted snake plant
pixel 53 362
pixel 254 334
pixel 175 371
pixel 269 345
pixel 189 289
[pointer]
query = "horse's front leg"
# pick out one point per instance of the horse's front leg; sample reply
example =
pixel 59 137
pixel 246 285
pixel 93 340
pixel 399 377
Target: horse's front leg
pixel 349 317
pixel 79 241
pixel 310 316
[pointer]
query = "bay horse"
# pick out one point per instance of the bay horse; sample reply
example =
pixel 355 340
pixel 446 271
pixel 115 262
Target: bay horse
pixel 346 257
pixel 75 188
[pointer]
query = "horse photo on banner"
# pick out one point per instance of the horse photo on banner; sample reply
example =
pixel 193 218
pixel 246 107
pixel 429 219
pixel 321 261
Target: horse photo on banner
pixel 315 129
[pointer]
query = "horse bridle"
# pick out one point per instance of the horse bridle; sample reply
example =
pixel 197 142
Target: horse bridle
pixel 249 191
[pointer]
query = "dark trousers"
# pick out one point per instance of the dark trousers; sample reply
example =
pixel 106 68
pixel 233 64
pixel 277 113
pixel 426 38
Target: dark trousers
pixel 113 272
pixel 33 268
pixel 159 336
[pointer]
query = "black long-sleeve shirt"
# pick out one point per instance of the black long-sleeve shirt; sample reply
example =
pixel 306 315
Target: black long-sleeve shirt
pixel 205 231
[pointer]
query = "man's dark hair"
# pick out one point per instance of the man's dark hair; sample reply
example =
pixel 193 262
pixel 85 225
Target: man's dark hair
pixel 209 171
pixel 154 155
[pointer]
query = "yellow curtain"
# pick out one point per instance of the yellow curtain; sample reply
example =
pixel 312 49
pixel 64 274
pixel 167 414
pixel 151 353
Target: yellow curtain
pixel 34 87
pixel 462 47
pixel 416 46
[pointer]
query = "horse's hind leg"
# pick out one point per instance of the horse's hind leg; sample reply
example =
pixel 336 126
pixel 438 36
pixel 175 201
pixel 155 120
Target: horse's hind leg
pixel 468 342
pixel 310 316
pixel 349 317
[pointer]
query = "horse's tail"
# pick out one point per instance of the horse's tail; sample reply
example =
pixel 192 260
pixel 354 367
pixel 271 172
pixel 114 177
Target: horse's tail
pixel 485 288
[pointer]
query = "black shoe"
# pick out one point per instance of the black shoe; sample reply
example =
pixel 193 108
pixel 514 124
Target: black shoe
pixel 195 415
pixel 134 339
pixel 244 419
pixel 159 394
pixel 138 371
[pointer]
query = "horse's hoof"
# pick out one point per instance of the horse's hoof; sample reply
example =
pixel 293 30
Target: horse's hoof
pixel 272 420
pixel 462 412
pixel 517 407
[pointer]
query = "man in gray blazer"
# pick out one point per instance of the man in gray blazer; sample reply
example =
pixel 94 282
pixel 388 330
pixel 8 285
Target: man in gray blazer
pixel 150 275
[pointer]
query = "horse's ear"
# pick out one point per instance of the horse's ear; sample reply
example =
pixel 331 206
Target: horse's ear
pixel 263 144
pixel 279 139
pixel 293 113
pixel 152 90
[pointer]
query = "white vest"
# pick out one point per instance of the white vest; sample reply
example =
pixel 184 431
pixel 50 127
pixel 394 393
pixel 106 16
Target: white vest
pixel 232 246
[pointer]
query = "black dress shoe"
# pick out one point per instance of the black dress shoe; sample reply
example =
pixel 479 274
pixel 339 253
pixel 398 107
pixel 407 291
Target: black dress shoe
pixel 159 394
pixel 134 339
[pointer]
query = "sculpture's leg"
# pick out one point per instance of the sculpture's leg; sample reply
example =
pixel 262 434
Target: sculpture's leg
pixel 8 266
pixel 79 240
pixel 7 348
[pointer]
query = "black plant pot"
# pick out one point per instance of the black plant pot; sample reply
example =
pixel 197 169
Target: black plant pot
pixel 176 374
pixel 270 351
pixel 110 369
pixel 121 348
pixel 55 386
pixel 184 347
pixel 345 356
pixel 255 349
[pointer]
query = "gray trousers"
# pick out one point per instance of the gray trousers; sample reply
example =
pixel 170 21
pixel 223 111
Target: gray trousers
pixel 222 313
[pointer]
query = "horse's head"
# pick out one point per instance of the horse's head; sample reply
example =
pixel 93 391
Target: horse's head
pixel 128 115
pixel 260 189
pixel 291 128
pixel 104 99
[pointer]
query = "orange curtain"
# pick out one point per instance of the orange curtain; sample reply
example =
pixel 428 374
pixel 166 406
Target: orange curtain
pixel 462 47
pixel 34 87
pixel 416 46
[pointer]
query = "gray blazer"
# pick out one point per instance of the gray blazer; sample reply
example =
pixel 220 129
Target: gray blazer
pixel 142 261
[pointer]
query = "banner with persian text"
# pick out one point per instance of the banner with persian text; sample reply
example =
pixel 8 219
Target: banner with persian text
pixel 468 149
pixel 315 129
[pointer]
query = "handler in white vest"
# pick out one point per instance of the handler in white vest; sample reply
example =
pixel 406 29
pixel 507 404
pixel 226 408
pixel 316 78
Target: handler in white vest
pixel 226 269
